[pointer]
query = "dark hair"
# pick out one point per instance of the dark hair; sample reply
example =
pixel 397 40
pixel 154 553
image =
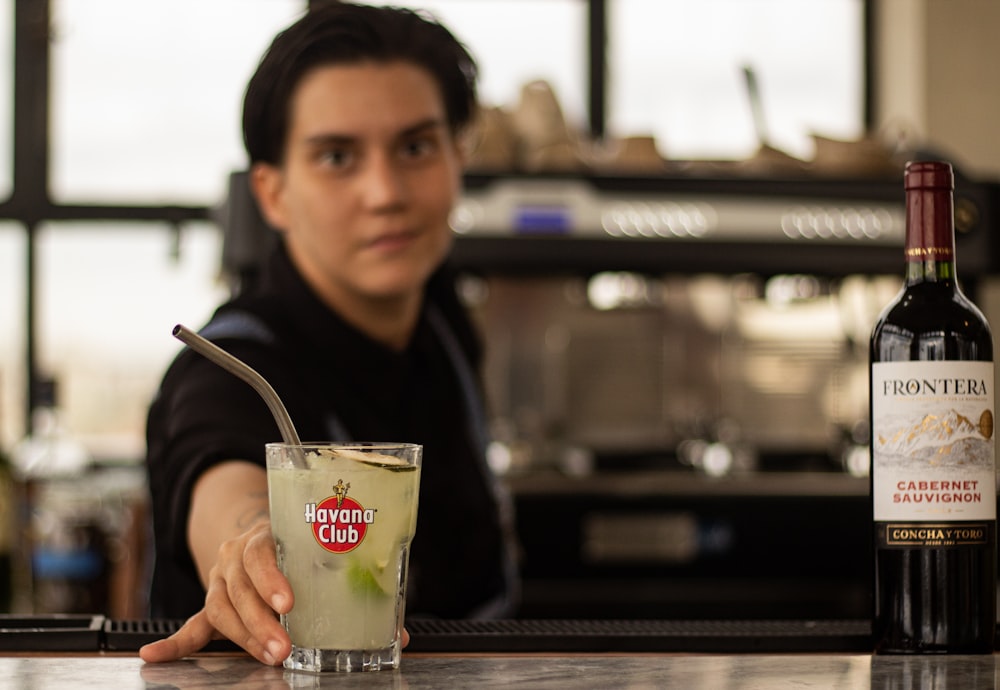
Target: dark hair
pixel 340 32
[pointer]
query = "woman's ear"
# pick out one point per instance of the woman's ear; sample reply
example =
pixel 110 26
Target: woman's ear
pixel 267 184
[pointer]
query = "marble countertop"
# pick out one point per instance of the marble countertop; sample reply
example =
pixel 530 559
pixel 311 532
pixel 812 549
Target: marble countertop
pixel 697 672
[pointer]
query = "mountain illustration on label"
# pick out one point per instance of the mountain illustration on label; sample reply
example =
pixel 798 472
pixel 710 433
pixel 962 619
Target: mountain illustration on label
pixel 948 439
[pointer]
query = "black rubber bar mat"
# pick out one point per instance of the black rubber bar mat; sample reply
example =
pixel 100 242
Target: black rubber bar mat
pixel 719 636
pixel 50 633
pixel 129 635
pixel 94 633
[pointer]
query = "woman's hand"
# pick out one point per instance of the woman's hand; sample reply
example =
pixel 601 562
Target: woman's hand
pixel 245 591
pixel 229 534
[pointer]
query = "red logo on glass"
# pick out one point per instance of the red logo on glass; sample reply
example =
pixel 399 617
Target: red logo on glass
pixel 339 523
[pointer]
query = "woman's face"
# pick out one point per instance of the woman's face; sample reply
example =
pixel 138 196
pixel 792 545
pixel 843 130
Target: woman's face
pixel 370 174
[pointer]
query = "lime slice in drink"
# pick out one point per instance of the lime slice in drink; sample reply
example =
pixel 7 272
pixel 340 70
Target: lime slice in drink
pixel 363 582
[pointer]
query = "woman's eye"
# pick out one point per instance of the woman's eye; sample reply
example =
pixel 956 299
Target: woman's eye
pixel 337 158
pixel 418 148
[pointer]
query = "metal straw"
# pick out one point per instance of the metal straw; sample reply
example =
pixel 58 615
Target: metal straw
pixel 245 372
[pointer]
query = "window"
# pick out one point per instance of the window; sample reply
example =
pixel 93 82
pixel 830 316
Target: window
pixel 146 96
pixel 108 297
pixel 675 71
pixel 518 41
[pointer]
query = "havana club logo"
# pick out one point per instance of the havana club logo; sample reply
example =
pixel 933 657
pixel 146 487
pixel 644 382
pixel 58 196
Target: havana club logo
pixel 339 523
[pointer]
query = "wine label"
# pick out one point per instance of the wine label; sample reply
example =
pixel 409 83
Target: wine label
pixel 913 534
pixel 933 456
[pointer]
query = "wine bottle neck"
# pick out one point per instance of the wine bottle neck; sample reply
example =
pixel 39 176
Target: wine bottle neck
pixel 930 235
pixel 931 271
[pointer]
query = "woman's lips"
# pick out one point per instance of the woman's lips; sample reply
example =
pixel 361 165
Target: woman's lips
pixel 393 241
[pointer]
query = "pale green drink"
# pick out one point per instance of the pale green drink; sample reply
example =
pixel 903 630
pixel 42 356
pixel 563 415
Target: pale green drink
pixel 343 517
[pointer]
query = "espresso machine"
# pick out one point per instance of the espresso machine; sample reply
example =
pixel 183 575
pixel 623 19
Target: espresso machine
pixel 676 370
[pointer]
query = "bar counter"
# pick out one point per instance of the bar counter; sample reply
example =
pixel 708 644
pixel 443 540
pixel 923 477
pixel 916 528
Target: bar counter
pixel 125 671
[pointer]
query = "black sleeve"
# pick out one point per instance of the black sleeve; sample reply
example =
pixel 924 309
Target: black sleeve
pixel 202 415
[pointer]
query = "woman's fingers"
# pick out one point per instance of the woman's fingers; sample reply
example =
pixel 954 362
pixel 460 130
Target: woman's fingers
pixel 237 609
pixel 192 636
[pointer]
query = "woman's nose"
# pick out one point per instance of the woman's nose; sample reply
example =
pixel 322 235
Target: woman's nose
pixel 384 183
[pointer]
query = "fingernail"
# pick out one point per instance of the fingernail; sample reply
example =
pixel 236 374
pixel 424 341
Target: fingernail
pixel 273 651
pixel 268 658
pixel 278 602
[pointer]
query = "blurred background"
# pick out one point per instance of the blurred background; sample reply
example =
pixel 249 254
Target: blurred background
pixel 680 223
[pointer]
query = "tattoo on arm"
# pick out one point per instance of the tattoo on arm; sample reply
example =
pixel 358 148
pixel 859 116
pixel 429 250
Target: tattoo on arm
pixel 254 512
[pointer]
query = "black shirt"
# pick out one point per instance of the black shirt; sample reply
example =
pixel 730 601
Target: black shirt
pixel 323 369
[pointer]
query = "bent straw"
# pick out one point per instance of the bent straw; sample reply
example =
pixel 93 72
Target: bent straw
pixel 245 372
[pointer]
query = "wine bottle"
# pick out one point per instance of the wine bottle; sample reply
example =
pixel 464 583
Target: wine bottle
pixel 933 482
